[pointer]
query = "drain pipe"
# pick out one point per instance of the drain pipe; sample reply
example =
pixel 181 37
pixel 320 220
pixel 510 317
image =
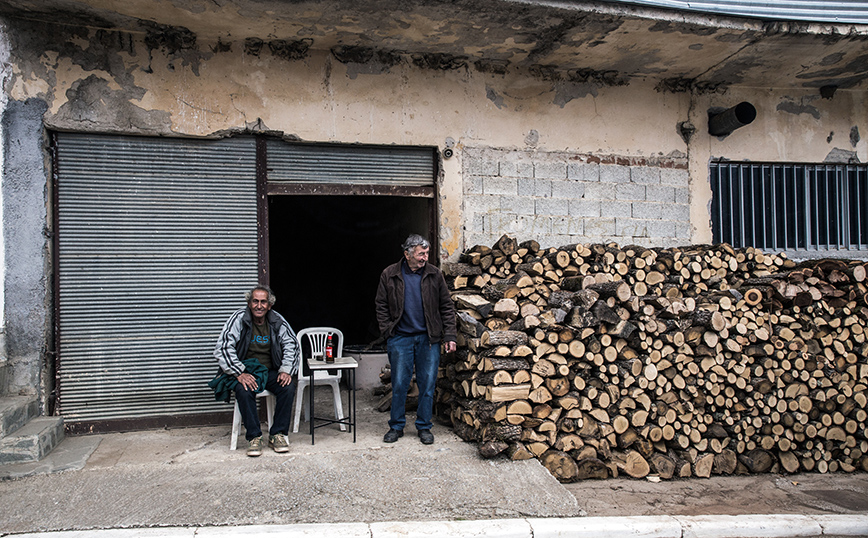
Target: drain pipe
pixel 722 123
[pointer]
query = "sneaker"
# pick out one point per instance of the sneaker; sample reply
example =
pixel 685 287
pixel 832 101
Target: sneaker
pixel 426 437
pixel 392 435
pixel 254 447
pixel 279 443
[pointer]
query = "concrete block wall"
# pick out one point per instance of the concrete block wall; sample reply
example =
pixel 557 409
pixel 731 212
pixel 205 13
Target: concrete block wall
pixel 560 198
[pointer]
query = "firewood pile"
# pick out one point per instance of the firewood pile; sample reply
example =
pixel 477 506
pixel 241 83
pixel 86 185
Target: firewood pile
pixel 602 360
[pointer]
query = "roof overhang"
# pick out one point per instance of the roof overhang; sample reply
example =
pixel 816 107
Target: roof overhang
pixel 608 42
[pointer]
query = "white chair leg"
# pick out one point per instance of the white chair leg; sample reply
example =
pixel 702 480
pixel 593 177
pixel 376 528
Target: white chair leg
pixel 299 401
pixel 236 428
pixel 339 408
pixel 270 402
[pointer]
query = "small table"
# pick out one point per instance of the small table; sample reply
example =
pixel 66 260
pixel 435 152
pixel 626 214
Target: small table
pixel 348 364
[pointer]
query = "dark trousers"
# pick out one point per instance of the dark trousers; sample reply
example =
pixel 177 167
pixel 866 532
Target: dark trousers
pixel 282 410
pixel 406 354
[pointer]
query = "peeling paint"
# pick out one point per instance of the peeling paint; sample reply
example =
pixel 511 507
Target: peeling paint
pixel 841 156
pixel 532 138
pixel 93 105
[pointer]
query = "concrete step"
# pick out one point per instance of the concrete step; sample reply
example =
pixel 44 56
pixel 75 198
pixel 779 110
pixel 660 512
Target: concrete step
pixel 15 411
pixel 33 441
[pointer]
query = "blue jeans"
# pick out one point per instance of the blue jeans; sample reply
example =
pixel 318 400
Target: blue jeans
pixel 405 353
pixel 282 409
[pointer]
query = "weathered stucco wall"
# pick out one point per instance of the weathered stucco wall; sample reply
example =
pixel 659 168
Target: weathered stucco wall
pixel 118 82
pixel 27 276
pixel 535 152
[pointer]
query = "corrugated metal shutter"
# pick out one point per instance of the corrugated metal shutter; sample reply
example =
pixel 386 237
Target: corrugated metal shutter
pixel 157 242
pixel 350 165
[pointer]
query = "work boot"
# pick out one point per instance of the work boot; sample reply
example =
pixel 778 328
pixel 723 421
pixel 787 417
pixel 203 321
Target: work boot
pixel 392 435
pixel 279 443
pixel 426 437
pixel 254 447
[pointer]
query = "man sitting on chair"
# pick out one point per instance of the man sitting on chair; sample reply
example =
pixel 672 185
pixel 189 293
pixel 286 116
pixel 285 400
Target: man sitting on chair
pixel 260 334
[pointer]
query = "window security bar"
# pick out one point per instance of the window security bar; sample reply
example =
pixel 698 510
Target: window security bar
pixel 790 206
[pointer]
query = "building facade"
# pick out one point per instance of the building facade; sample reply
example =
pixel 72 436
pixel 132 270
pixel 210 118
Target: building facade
pixel 161 157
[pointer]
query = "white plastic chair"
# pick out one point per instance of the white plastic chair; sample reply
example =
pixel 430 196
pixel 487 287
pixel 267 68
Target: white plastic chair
pixel 316 337
pixel 270 401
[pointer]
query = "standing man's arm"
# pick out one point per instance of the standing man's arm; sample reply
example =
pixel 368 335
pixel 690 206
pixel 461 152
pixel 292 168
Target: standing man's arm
pixel 224 351
pixel 381 303
pixel 447 315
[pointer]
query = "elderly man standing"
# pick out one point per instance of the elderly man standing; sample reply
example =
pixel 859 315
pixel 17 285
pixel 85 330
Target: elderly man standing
pixel 415 314
pixel 258 347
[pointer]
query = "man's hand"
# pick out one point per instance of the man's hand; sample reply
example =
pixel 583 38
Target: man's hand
pixel 248 381
pixel 450 346
pixel 284 379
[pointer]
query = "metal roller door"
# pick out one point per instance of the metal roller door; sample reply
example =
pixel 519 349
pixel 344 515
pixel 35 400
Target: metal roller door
pixel 334 164
pixel 157 241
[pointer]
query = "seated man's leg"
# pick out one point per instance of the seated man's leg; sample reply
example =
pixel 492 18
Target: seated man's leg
pixel 247 407
pixel 284 397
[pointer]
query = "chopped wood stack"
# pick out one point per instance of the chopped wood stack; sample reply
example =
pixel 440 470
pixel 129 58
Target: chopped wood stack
pixel 601 360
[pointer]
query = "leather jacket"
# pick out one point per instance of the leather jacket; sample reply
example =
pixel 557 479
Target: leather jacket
pixel 436 302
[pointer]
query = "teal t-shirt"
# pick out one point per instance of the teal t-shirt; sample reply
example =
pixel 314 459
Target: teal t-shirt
pixel 260 345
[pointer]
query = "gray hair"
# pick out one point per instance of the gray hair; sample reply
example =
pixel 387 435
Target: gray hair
pixel 413 241
pixel 271 298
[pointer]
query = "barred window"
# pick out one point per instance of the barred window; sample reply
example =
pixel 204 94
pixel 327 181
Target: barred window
pixel 790 206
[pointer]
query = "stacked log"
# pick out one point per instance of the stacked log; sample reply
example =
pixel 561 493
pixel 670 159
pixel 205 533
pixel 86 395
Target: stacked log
pixel 602 360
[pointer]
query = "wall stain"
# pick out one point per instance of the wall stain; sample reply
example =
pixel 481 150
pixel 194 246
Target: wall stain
pixel 253 46
pixel 854 136
pixel 176 42
pixel 733 71
pixel 602 78
pixel 290 50
pixel 439 61
pixel 366 60
pixel 792 107
pixel 846 76
pixel 493 96
pixel 832 59
pixel 220 46
pixel 492 66
pixel 669 27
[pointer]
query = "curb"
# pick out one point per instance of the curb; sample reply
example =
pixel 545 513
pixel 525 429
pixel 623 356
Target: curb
pixel 742 526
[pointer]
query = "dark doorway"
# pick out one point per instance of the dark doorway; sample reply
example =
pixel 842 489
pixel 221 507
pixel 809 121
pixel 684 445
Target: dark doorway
pixel 326 254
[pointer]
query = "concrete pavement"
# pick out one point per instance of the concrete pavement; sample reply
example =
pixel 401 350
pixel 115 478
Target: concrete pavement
pixel 186 482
